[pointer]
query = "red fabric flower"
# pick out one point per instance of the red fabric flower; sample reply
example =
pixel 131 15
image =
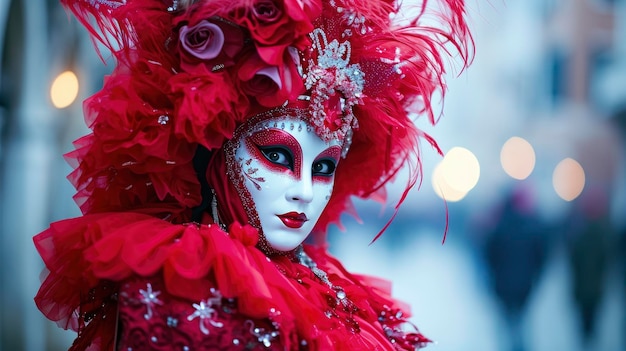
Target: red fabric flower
pixel 135 130
pixel 277 24
pixel 180 182
pixel 270 85
pixel 208 107
pixel 128 160
pixel 214 44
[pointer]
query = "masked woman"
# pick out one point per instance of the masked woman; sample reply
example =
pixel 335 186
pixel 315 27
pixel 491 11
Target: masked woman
pixel 230 132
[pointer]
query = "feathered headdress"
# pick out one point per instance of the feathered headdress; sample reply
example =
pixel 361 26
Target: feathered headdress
pixel 189 72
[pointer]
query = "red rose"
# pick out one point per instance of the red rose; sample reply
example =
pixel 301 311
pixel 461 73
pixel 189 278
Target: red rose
pixel 274 27
pixel 266 11
pixel 261 81
pixel 264 85
pixel 270 85
pixel 213 44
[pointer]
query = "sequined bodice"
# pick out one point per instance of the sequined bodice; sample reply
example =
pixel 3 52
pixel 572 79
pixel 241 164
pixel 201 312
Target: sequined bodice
pixel 152 319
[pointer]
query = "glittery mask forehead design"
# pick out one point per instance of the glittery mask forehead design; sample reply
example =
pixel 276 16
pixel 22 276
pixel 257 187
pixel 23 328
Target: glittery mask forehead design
pixel 297 115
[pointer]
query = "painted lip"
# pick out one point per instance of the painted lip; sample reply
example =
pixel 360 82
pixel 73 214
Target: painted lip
pixel 293 219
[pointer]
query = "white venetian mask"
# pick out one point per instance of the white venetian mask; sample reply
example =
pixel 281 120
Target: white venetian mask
pixel 286 172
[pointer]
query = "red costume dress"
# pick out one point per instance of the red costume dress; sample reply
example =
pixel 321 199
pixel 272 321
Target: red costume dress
pixel 170 253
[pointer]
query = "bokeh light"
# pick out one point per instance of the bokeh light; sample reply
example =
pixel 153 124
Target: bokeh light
pixel 460 169
pixel 517 158
pixel 442 188
pixel 568 179
pixel 64 89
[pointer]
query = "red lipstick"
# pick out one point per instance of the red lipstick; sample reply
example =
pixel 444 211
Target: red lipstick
pixel 293 220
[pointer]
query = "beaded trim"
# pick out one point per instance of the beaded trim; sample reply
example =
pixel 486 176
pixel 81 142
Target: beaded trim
pixel 341 298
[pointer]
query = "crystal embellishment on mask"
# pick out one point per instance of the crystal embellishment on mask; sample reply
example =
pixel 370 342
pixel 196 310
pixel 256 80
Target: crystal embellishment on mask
pixel 336 86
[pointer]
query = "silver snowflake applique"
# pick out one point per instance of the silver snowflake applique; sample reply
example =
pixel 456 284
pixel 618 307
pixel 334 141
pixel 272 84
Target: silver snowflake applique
pixel 206 312
pixel 149 298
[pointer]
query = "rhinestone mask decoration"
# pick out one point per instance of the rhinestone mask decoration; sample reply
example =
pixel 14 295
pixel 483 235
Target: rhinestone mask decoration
pixel 335 87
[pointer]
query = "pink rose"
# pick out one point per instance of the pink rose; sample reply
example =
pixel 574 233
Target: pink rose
pixel 213 44
pixel 204 40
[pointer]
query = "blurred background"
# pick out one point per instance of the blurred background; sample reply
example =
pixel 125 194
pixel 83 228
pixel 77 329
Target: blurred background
pixel 534 180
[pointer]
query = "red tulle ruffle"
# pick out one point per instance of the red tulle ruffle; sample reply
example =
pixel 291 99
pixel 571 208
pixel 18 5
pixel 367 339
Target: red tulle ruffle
pixel 86 256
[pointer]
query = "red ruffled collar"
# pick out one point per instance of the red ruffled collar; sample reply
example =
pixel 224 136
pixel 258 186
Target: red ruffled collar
pixel 81 253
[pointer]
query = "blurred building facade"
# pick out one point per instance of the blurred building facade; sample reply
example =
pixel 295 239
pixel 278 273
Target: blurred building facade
pixel 37 42
pixel 552 71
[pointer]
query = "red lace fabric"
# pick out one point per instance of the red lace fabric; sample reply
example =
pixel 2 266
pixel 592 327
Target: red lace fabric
pixel 198 287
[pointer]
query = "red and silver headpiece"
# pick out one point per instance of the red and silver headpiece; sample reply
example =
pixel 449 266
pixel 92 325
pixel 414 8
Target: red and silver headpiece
pixel 190 72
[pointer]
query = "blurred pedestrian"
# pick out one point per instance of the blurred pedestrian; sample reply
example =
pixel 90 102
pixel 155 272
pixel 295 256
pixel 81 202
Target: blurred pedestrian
pixel 515 253
pixel 589 234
